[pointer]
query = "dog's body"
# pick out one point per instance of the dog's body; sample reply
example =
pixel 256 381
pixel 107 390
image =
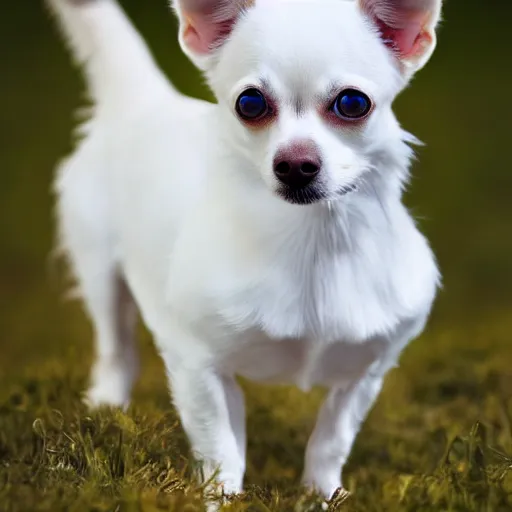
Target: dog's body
pixel 167 201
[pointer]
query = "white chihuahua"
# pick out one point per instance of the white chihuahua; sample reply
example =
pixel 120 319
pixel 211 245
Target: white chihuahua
pixel 263 236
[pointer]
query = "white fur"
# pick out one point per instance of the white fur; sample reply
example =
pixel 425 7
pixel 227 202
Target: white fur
pixel 176 197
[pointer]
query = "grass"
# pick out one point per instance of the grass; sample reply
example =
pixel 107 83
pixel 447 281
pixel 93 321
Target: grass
pixel 439 438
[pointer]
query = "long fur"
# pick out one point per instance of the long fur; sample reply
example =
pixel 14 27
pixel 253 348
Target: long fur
pixel 172 204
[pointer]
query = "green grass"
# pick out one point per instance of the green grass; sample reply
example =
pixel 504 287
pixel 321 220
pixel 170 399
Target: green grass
pixel 440 435
pixel 439 438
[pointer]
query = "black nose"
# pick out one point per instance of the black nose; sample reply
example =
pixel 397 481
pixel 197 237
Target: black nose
pixel 298 164
pixel 296 174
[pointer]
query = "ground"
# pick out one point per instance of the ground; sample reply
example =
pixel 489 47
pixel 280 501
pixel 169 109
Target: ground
pixel 439 437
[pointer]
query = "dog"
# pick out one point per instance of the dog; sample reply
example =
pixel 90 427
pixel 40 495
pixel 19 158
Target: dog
pixel 263 236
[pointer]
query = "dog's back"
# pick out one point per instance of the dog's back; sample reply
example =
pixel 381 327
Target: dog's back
pixel 131 150
pixel 129 153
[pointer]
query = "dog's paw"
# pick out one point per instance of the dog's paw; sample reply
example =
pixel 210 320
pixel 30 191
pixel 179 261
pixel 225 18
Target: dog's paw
pixel 108 389
pixel 317 501
pixel 311 502
pixel 217 495
pixel 215 502
pixel 111 385
pixel 215 505
pixel 100 395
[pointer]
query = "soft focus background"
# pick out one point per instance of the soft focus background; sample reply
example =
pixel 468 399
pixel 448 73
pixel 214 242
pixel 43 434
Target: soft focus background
pixel 440 436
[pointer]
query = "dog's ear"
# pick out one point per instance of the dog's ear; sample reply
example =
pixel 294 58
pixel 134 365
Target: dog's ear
pixel 406 26
pixel 205 25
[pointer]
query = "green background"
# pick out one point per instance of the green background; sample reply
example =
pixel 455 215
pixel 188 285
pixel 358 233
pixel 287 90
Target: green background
pixel 458 373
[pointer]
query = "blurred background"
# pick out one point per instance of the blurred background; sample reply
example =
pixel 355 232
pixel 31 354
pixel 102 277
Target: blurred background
pixel 459 105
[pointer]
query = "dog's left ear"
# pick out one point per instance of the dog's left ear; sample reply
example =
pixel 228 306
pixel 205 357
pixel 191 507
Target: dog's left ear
pixel 406 26
pixel 205 25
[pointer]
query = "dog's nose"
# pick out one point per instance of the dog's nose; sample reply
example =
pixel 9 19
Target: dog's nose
pixel 297 164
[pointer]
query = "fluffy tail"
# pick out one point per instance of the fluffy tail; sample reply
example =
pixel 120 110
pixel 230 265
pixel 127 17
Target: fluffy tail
pixel 117 63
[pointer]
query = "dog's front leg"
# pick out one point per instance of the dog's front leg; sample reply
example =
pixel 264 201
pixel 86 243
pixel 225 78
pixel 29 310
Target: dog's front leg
pixel 338 423
pixel 211 407
pixel 345 409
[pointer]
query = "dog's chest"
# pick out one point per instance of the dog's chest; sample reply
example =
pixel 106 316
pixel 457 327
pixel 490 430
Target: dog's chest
pixel 307 309
pixel 320 323
pixel 326 297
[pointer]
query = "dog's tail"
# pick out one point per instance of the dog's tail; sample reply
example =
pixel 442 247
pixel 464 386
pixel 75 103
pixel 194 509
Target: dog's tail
pixel 117 63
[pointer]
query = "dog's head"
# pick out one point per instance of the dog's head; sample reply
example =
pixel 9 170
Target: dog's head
pixel 306 86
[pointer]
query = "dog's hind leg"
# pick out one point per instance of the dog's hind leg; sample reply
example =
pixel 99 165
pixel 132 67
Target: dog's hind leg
pixel 87 238
pixel 114 315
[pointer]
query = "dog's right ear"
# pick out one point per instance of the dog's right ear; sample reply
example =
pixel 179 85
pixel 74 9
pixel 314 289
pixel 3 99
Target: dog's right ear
pixel 205 25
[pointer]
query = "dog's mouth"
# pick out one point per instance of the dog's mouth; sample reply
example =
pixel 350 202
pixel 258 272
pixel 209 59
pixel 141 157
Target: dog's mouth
pixel 312 194
pixel 305 195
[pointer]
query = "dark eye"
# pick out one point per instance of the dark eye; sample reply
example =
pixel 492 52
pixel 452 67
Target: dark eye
pixel 251 105
pixel 351 104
